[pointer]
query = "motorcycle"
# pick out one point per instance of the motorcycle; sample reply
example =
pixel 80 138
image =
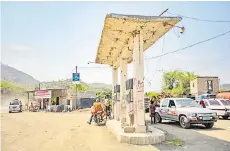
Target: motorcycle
pixel 98 117
pixel 108 114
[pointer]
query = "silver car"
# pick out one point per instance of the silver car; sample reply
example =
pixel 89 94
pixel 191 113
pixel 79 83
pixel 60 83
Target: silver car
pixel 221 106
pixel 15 106
pixel 186 112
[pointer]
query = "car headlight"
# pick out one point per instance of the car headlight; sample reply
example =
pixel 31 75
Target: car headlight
pixel 214 114
pixel 193 114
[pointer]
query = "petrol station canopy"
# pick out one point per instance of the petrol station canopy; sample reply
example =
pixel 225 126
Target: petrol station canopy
pixel 118 31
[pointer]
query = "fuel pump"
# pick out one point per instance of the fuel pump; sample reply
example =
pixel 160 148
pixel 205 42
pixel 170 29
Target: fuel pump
pixel 117 93
pixel 116 103
pixel 129 99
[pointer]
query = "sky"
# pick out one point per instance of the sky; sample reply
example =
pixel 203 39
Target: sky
pixel 48 39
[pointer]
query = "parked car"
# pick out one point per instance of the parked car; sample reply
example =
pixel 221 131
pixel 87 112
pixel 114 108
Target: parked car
pixel 15 106
pixel 221 106
pixel 186 112
pixel 206 96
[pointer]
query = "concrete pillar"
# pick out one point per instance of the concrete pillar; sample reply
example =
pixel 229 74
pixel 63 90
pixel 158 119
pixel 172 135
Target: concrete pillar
pixel 115 103
pixel 138 90
pixel 42 105
pixel 123 78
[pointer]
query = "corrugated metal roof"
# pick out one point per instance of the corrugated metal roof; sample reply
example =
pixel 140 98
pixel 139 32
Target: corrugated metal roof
pixel 118 31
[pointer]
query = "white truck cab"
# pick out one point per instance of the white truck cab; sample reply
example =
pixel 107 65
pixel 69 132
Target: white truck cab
pixel 186 112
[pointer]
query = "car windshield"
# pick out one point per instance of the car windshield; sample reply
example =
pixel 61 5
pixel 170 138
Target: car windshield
pixel 211 96
pixel 14 102
pixel 225 102
pixel 186 102
pixel 214 102
pixel 205 102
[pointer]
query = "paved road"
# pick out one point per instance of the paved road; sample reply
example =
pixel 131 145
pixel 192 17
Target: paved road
pixel 194 139
pixel 39 131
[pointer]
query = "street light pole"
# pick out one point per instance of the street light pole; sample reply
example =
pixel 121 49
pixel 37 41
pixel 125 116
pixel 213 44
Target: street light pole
pixel 76 90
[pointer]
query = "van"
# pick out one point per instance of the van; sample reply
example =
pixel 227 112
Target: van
pixel 15 106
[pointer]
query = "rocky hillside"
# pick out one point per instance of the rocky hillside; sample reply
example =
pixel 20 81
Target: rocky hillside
pixel 12 75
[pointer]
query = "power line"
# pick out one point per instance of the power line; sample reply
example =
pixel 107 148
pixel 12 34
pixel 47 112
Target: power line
pixel 93 67
pixel 159 61
pixel 197 19
pixel 192 45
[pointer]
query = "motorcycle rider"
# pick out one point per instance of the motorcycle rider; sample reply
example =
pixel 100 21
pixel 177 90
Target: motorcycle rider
pixel 107 108
pixel 97 107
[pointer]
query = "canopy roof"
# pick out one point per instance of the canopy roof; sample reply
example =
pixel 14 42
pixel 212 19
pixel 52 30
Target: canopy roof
pixel 117 35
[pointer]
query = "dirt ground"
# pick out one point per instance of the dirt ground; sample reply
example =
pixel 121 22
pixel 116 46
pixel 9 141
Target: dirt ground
pixel 221 130
pixel 32 131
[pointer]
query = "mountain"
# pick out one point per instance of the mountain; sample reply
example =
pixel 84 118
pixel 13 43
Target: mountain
pixel 225 86
pixel 12 75
pixel 96 87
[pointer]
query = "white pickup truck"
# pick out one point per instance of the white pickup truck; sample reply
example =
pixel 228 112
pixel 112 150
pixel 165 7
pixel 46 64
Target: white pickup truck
pixel 186 112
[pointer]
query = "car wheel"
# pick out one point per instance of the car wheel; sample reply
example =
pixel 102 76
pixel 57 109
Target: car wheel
pixel 225 117
pixel 9 111
pixel 208 125
pixel 158 118
pixel 184 122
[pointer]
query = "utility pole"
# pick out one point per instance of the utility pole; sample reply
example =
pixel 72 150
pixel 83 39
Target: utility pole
pixel 76 90
pixel 164 12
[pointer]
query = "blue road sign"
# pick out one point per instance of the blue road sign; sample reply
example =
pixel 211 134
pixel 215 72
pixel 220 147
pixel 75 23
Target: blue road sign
pixel 76 77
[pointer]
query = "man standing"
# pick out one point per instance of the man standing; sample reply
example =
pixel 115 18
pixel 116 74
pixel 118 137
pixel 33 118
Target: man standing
pixel 152 108
pixel 20 103
pixel 202 103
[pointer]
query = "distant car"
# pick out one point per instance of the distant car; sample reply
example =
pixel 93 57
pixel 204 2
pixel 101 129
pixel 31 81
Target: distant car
pixel 186 112
pixel 15 106
pixel 221 106
pixel 206 96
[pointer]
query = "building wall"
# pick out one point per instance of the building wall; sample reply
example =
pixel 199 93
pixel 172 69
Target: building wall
pixel 194 87
pixel 198 86
pixel 61 94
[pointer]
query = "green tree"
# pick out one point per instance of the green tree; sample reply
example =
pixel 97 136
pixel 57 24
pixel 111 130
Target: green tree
pixel 177 82
pixel 150 95
pixel 104 93
pixel 80 87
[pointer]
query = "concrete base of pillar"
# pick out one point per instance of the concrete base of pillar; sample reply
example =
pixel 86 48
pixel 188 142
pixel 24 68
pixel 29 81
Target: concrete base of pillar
pixel 129 129
pixel 140 129
pixel 155 136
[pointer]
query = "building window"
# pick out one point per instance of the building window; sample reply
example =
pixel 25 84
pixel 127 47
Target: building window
pixel 68 102
pixel 209 85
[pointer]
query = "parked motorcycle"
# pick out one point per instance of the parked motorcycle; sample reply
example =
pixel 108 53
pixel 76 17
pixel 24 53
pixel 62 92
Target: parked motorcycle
pixel 98 117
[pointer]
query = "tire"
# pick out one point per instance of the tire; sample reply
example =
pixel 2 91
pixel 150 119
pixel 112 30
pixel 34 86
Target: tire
pixel 158 118
pixel 225 117
pixel 208 125
pixel 9 111
pixel 183 122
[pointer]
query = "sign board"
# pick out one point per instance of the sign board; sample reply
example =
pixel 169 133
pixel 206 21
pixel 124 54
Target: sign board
pixel 40 94
pixel 76 77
